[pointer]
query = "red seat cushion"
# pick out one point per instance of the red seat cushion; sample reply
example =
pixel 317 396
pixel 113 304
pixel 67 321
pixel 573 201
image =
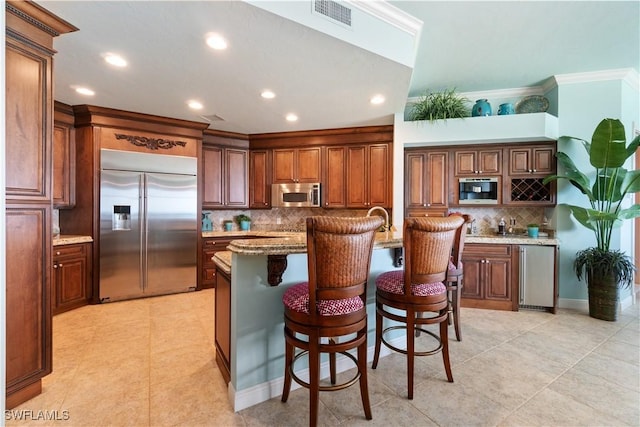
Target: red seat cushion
pixel 296 298
pixel 393 282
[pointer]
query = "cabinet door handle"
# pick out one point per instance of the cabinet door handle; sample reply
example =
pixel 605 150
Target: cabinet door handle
pixel 57 252
pixel 534 171
pixel 59 265
pixel 55 265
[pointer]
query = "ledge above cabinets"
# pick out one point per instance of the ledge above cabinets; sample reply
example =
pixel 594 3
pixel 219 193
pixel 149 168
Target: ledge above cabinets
pixel 476 130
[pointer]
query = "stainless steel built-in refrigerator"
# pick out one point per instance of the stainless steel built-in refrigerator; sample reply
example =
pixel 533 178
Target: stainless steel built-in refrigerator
pixel 148 224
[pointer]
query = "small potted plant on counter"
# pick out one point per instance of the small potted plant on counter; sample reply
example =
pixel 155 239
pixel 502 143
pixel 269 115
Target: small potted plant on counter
pixel 227 224
pixel 606 270
pixel 532 230
pixel 243 221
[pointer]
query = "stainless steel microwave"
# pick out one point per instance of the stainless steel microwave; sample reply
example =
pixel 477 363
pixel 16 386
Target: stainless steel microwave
pixel 295 195
pixel 478 191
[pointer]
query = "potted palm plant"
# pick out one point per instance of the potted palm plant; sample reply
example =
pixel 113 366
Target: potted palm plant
pixel 606 270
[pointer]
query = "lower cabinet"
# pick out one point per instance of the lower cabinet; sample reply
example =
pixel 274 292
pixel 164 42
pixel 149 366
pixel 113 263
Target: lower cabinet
pixel 71 277
pixel 210 246
pixel 490 277
pixel 223 323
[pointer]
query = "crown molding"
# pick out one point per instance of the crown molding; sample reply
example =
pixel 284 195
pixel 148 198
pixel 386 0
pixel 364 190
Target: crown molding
pixel 390 14
pixel 628 75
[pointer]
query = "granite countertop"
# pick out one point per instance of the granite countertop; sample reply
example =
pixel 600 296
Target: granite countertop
pixel 513 239
pixel 222 259
pixel 296 243
pixel 252 233
pixel 281 243
pixel 70 239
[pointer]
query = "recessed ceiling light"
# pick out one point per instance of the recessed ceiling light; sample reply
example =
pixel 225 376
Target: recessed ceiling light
pixel 85 91
pixel 267 94
pixel 115 60
pixel 291 117
pixel 216 41
pixel 377 99
pixel 195 105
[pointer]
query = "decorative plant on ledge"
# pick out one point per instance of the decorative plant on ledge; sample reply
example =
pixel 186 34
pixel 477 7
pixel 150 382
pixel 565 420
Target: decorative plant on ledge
pixel 440 105
pixel 606 270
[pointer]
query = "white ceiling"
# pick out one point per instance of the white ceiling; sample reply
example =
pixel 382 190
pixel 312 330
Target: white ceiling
pixel 472 46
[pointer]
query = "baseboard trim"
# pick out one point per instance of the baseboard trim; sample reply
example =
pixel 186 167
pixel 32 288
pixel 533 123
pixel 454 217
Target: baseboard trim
pixel 583 304
pixel 262 392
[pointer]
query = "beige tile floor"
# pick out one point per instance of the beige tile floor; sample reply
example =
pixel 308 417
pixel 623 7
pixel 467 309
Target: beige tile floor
pixel 150 362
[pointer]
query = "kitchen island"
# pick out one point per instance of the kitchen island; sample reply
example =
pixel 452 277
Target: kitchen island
pixel 256 327
pixel 256 339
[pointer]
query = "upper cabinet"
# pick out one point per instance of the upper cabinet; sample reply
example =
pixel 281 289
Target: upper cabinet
pixel 368 172
pixel 297 165
pixel 224 172
pixel 426 184
pixel 64 157
pixel 532 160
pixel 353 165
pixel 259 179
pixel 334 191
pixel 478 162
pixel 528 166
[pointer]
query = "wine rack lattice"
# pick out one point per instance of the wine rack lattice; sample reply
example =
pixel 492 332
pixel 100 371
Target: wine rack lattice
pixel 530 189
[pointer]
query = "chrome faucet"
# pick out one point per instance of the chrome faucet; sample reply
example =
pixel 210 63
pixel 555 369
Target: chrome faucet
pixel 386 216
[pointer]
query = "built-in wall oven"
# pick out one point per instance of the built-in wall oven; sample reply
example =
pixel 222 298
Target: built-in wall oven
pixel 478 191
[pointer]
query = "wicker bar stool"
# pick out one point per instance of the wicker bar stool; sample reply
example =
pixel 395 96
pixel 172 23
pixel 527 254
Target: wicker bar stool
pixel 455 274
pixel 418 291
pixel 332 304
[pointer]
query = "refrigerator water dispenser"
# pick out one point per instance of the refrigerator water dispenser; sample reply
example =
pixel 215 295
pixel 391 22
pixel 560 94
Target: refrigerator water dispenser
pixel 121 218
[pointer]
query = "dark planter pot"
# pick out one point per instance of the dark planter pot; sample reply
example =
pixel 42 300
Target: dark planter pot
pixel 604 296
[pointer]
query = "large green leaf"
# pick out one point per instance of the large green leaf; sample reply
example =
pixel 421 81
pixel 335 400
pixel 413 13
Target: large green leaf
pixel 607 186
pixel 608 145
pixel 577 178
pixel 630 212
pixel 631 183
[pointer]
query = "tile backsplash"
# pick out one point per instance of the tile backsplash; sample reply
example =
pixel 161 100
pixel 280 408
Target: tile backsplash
pixel 285 219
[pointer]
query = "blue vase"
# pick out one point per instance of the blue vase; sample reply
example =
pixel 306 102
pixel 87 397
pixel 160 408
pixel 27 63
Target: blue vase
pixel 506 109
pixel 481 108
pixel 244 225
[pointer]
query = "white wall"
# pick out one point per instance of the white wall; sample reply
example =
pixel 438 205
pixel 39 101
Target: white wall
pixel 582 103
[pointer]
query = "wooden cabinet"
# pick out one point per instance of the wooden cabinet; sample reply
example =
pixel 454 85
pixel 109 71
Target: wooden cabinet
pixel 368 175
pixel 225 177
pixel 64 157
pixel 210 246
pixel 490 276
pixel 478 162
pixel 71 277
pixel 528 166
pixel 223 324
pixel 259 179
pixel 28 169
pixel 334 191
pixel 297 165
pixel 426 183
pixel 532 160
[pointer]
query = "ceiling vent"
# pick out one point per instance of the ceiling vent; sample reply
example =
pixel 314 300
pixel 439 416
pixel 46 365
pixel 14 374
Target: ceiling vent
pixel 334 11
pixel 213 118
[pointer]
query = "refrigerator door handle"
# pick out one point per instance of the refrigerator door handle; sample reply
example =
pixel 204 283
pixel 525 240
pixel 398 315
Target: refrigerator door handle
pixel 142 206
pixel 522 274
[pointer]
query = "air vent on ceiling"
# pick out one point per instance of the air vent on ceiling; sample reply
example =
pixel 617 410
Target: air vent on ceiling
pixel 213 118
pixel 333 10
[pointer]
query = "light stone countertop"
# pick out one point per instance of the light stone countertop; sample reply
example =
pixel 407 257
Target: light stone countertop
pixel 69 239
pixel 281 243
pixel 222 259
pixel 296 243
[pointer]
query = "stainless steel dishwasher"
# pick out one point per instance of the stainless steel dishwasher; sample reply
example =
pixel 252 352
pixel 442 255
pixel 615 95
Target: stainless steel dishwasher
pixel 537 276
